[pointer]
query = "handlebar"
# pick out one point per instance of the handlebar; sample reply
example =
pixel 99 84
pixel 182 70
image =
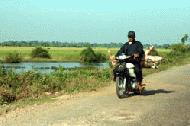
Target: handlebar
pixel 123 58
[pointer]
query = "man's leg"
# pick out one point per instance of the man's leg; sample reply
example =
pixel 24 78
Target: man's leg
pixel 139 78
pixel 138 72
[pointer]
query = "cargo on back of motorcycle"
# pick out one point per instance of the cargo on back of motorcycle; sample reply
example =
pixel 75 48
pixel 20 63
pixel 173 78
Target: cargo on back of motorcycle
pixel 128 63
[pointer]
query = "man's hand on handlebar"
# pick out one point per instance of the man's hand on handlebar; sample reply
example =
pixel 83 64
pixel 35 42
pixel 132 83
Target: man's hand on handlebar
pixel 136 55
pixel 113 60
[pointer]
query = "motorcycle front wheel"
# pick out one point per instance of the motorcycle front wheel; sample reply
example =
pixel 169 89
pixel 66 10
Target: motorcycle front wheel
pixel 120 91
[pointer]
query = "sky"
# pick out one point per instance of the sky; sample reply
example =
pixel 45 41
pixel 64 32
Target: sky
pixel 100 21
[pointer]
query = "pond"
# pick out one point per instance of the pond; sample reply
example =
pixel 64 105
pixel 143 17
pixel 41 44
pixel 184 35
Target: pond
pixel 48 67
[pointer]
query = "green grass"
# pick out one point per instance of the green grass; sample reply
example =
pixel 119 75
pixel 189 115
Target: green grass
pixel 58 54
pixel 65 81
pixel 78 80
pixel 25 102
pixel 163 52
pixel 31 87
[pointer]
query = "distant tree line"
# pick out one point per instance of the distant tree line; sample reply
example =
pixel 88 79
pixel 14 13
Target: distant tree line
pixel 70 44
pixel 57 44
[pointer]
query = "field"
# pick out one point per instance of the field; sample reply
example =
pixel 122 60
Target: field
pixel 58 54
pixel 31 87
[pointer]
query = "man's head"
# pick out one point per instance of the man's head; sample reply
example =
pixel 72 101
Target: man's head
pixel 131 36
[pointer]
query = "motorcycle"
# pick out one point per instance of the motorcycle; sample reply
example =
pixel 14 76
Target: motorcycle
pixel 125 77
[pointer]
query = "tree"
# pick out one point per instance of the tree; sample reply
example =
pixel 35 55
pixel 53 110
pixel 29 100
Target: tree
pixel 89 56
pixel 39 52
pixel 13 58
pixel 184 38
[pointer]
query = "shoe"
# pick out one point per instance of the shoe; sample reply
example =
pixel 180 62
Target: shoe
pixel 140 87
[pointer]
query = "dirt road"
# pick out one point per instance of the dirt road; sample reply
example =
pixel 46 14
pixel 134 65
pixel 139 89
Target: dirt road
pixel 166 102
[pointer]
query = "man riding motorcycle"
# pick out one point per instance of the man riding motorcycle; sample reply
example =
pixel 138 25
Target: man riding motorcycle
pixel 135 49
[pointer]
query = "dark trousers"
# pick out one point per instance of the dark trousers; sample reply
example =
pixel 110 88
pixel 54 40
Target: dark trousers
pixel 138 70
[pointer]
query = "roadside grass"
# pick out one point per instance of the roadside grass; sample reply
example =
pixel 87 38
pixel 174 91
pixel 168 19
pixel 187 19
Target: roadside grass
pixel 25 102
pixel 86 83
pixel 35 88
pixel 32 86
pixel 170 61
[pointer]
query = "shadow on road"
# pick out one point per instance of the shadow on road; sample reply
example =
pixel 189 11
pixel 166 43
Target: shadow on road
pixel 149 92
pixel 153 92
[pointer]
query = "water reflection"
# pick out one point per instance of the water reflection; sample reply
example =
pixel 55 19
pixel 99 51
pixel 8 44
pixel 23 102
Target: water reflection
pixel 47 67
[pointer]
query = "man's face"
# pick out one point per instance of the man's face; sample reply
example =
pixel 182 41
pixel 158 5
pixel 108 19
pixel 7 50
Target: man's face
pixel 130 39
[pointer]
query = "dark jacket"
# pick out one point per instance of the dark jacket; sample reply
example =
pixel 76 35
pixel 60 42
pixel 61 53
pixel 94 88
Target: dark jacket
pixel 130 49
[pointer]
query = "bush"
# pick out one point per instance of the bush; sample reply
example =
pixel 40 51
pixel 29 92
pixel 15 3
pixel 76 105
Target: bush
pixel 100 57
pixel 179 49
pixel 32 84
pixel 39 52
pixel 89 56
pixel 6 98
pixel 13 58
pixel 154 52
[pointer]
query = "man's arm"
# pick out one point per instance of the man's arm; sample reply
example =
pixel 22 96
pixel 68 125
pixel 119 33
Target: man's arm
pixel 143 59
pixel 140 50
pixel 112 57
pixel 120 51
pixel 141 53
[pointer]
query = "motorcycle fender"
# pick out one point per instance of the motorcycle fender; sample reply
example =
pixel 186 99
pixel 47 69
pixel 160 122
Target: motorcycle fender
pixel 129 65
